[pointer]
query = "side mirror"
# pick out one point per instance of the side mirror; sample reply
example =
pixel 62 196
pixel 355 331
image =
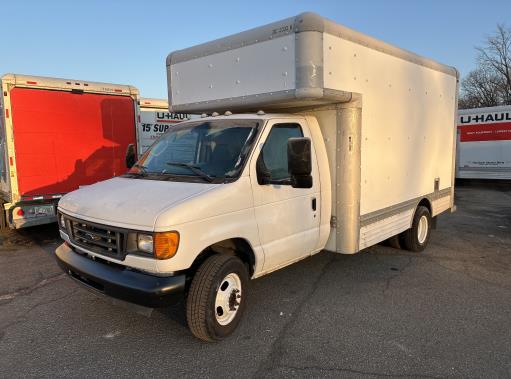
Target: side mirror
pixel 263 174
pixel 131 157
pixel 299 162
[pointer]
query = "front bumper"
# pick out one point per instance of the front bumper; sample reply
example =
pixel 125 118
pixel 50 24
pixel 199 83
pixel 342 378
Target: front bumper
pixel 121 283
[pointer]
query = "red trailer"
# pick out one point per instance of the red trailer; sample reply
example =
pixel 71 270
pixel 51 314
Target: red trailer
pixel 57 135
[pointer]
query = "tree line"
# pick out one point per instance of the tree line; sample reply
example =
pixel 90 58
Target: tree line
pixel 489 84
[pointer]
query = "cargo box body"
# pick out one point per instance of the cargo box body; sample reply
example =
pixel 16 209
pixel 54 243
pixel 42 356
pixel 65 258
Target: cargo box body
pixel 58 135
pixel 484 143
pixel 388 116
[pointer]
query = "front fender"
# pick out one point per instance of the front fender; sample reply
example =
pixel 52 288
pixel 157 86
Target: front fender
pixel 198 235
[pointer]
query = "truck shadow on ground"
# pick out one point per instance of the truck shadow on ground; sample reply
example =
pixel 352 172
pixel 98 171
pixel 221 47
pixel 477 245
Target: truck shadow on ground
pixel 22 238
pixel 281 294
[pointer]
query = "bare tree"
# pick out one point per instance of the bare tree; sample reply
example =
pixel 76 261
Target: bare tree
pixel 480 89
pixel 490 83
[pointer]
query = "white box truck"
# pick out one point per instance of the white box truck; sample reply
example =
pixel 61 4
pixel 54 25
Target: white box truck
pixel 484 143
pixel 155 120
pixel 340 141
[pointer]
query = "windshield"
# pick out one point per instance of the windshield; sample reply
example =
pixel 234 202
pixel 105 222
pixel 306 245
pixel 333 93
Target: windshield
pixel 208 150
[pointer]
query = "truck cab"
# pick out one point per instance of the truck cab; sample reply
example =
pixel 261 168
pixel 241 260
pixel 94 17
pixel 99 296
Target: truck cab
pixel 217 185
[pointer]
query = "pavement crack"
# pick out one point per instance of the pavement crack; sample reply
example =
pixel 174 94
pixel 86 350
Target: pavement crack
pixel 399 273
pixel 22 319
pixel 8 297
pixel 361 372
pixel 463 272
pixel 277 346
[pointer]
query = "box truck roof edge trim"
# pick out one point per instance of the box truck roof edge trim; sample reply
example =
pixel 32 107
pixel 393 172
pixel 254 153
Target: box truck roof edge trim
pixel 146 102
pixel 29 81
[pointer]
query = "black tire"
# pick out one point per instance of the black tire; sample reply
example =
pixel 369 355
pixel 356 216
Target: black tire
pixel 201 314
pixel 4 225
pixel 409 239
pixel 394 242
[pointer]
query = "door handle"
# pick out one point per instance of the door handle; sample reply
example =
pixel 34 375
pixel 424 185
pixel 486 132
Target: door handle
pixel 314 204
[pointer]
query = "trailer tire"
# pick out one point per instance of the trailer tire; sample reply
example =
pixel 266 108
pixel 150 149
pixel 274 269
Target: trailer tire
pixel 217 297
pixel 417 237
pixel 4 224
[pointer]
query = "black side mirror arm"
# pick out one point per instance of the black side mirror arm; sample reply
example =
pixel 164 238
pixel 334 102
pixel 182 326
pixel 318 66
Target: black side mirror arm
pixel 263 174
pixel 131 157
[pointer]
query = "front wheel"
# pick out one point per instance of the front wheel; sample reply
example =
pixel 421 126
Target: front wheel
pixel 217 297
pixel 417 237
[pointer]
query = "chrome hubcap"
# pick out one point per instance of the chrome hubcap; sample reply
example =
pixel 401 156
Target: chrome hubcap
pixel 422 229
pixel 228 299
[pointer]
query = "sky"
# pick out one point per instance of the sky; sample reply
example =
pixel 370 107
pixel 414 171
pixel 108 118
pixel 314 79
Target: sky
pixel 126 42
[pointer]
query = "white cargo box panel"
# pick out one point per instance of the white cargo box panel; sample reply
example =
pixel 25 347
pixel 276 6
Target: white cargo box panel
pixel 484 143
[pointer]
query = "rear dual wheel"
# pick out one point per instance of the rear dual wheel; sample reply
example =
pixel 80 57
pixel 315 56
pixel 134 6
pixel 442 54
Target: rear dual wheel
pixel 417 237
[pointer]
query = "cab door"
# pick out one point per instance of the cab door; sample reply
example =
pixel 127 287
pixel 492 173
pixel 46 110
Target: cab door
pixel 288 218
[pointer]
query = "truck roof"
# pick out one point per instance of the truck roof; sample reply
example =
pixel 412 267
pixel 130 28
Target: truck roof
pixel 146 102
pixel 43 82
pixel 299 62
pixel 307 21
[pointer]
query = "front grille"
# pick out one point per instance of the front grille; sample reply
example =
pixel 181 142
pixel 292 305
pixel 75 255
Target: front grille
pixel 98 238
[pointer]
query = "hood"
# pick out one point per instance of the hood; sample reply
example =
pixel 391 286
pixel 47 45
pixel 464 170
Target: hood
pixel 137 202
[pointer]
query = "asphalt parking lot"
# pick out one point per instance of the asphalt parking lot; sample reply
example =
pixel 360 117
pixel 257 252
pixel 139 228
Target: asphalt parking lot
pixel 384 312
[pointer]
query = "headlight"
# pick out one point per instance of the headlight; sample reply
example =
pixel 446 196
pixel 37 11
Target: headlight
pixel 162 245
pixel 165 244
pixel 145 243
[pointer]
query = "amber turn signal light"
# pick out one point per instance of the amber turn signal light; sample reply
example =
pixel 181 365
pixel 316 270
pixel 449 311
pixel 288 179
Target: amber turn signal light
pixel 165 244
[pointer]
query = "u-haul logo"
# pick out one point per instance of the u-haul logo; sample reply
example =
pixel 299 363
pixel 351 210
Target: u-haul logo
pixel 164 116
pixel 485 118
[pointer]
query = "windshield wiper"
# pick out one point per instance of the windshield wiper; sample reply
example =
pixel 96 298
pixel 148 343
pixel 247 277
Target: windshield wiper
pixel 195 169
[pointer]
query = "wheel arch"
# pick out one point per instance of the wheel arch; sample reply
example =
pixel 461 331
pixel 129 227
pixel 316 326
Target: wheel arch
pixel 425 202
pixel 236 246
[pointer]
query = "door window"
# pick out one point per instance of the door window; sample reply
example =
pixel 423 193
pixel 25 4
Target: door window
pixel 274 152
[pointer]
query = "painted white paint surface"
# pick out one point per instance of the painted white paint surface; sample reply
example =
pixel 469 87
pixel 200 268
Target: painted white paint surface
pixel 258 68
pixel 407 121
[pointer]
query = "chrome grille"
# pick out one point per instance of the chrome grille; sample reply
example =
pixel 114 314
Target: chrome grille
pixel 98 238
